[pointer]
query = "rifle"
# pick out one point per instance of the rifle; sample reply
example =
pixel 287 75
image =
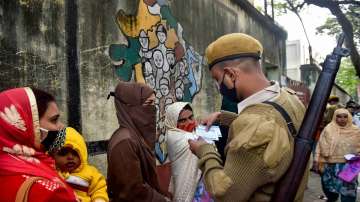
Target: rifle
pixel 287 187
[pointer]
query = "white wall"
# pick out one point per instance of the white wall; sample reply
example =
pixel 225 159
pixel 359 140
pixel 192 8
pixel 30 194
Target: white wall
pixel 295 56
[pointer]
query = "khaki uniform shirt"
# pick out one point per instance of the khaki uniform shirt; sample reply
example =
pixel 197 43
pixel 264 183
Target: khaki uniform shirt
pixel 259 149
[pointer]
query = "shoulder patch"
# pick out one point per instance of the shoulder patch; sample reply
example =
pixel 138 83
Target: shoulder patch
pixel 291 91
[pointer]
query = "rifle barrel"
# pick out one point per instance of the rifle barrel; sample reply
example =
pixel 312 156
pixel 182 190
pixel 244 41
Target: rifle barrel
pixel 288 185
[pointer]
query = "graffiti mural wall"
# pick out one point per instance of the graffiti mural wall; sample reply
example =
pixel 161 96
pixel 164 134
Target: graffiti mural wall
pixel 157 54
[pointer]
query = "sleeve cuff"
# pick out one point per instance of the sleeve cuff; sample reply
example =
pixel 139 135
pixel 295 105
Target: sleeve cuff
pixel 209 158
pixel 205 149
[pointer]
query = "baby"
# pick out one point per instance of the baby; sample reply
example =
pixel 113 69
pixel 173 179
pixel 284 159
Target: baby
pixel 71 163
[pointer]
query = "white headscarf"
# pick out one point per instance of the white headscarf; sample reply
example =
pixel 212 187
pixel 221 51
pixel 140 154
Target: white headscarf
pixel 173 113
pixel 184 171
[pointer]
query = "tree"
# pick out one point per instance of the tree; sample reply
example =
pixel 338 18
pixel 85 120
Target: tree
pixel 339 9
pixel 346 77
pixel 296 7
pixel 332 27
pixel 346 20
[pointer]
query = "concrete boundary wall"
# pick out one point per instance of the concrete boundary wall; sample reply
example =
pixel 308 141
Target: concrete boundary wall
pixel 34 51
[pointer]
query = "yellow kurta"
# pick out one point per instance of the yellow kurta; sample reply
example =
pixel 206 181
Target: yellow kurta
pixel 258 153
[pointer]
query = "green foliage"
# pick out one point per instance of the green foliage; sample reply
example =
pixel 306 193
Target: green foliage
pixel 259 8
pixel 283 6
pixel 280 8
pixel 346 77
pixel 332 27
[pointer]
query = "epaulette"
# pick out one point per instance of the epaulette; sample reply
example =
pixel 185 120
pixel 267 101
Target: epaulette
pixel 289 90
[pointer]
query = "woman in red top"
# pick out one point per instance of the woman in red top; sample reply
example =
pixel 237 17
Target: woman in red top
pixel 26 117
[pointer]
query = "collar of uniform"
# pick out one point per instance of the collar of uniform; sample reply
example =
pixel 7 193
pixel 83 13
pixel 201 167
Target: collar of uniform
pixel 267 94
pixel 274 87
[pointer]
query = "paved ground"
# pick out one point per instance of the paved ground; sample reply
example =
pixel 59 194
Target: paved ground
pixel 313 191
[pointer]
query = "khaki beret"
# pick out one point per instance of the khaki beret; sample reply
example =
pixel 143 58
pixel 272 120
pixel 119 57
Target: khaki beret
pixel 333 97
pixel 232 46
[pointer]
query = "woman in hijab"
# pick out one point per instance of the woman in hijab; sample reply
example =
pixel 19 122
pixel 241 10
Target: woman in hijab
pixel 339 137
pixel 186 177
pixel 131 160
pixel 26 173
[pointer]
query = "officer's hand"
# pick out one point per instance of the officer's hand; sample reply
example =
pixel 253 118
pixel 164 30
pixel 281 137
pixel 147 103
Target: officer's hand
pixel 209 120
pixel 196 144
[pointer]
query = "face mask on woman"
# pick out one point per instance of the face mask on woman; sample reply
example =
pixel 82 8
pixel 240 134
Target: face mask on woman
pixel 146 123
pixel 53 140
pixel 190 127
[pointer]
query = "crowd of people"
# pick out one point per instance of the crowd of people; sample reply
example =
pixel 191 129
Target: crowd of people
pixel 42 160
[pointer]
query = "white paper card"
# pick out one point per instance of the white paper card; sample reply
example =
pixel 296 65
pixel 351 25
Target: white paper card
pixel 213 133
pixel 349 156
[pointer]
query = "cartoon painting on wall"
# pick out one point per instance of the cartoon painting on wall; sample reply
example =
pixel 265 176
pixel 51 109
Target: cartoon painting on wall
pixel 157 54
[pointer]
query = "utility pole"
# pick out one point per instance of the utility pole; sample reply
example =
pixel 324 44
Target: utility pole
pixel 72 56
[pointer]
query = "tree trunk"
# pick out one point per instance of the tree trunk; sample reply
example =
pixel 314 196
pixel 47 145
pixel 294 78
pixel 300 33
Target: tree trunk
pixel 346 26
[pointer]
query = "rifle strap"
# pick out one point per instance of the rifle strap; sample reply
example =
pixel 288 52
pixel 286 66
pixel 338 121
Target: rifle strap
pixel 285 115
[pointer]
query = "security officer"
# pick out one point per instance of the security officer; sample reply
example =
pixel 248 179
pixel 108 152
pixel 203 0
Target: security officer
pixel 260 145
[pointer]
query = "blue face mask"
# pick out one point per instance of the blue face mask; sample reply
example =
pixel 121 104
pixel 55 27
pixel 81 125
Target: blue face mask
pixel 230 94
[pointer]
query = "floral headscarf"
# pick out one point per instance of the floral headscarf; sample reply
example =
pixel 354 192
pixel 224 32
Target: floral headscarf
pixel 20 151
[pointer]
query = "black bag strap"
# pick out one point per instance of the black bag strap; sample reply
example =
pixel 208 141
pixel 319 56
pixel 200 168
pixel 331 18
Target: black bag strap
pixel 285 115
